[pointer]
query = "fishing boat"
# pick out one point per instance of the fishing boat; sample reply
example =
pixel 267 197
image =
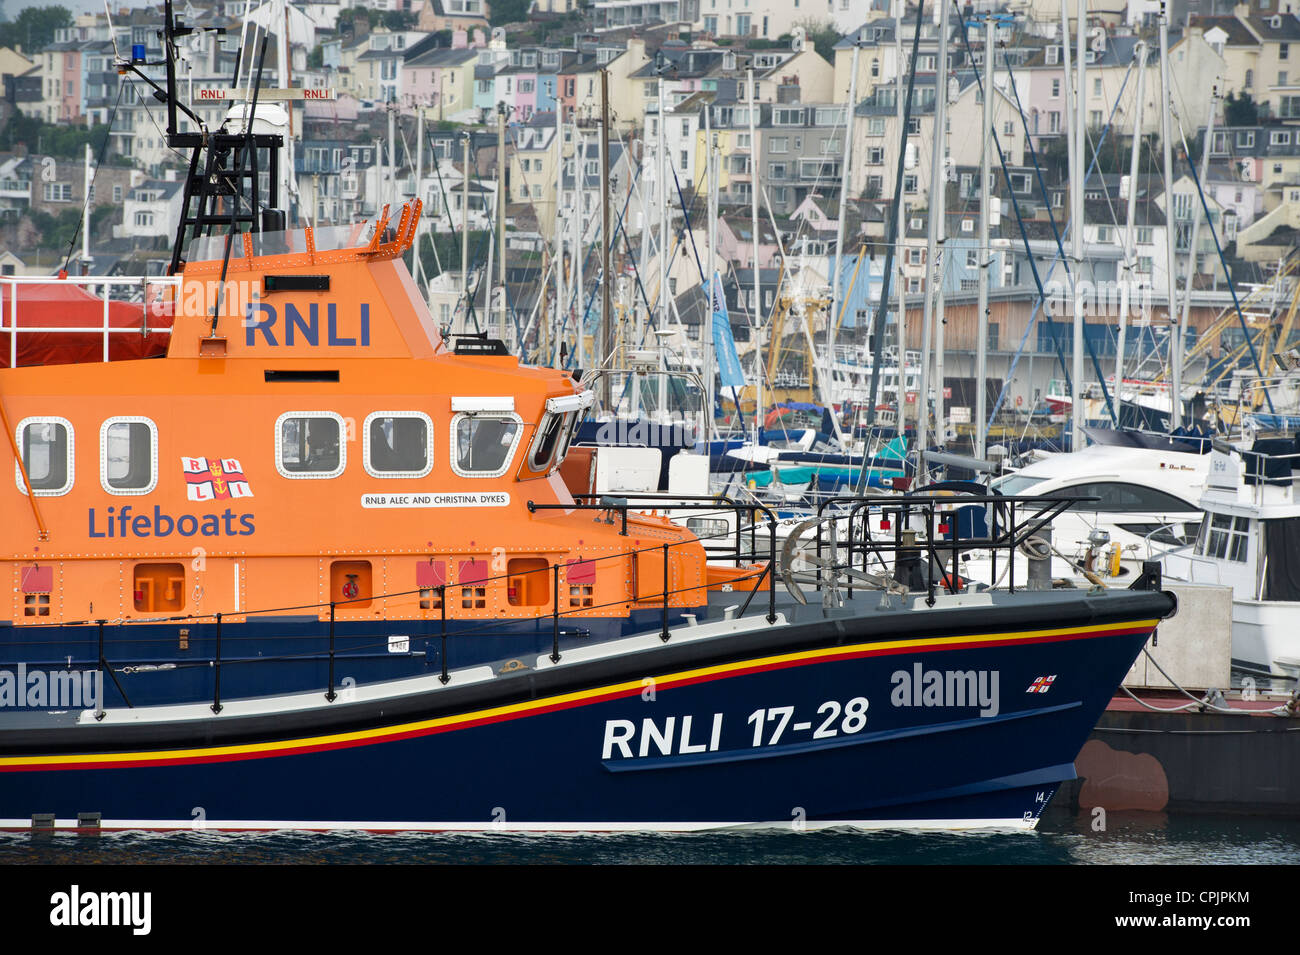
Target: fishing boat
pixel 319 567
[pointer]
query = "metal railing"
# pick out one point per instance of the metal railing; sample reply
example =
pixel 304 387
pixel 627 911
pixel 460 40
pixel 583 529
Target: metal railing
pixel 9 289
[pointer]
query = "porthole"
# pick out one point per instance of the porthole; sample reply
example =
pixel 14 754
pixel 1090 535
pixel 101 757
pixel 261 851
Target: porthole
pixel 310 444
pixel 128 455
pixel 47 447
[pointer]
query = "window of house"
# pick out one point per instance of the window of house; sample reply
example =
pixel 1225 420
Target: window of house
pixel 876 126
pixel 47 452
pixel 875 156
pixel 309 444
pixel 1280 138
pixel 483 444
pixel 1056 89
pixel 1054 122
pixel 128 455
pixel 397 444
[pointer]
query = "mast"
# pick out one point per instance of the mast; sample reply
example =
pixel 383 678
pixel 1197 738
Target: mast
pixel 1074 135
pixel 561 309
pixel 1171 282
pixel 1078 440
pixel 661 187
pixel 837 306
pixel 419 171
pixel 1130 247
pixel 985 251
pixel 1196 227
pixel 605 338
pixel 501 218
pixel 753 224
pixel 392 151
pixel 900 234
pixel 706 362
pixel 578 225
pixel 933 232
pixel 85 215
pixel 287 185
pixel 464 230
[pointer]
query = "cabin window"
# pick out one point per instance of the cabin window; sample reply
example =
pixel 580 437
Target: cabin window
pixel 397 444
pixel 1224 537
pixel 47 446
pixel 309 444
pixel 1121 498
pixel 483 444
pixel 128 455
pixel 550 435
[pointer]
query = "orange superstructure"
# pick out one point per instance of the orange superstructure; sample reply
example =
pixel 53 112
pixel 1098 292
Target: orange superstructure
pixel 310 438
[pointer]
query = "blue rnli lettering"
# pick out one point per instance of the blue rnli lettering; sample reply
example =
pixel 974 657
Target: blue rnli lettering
pixel 252 327
pixel 310 327
pixel 300 330
pixel 122 523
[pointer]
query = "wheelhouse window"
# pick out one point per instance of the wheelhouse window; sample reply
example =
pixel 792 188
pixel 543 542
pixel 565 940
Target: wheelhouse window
pixel 128 455
pixel 1224 537
pixel 484 443
pixel 397 444
pixel 550 433
pixel 47 446
pixel 309 444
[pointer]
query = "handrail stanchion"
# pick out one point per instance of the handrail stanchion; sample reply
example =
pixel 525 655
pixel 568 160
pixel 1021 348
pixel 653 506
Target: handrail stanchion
pixel 555 616
pixel 771 581
pixel 929 555
pixel 100 714
pixel 665 635
pixel 442 602
pixel 216 690
pixel 330 695
pixel 1011 549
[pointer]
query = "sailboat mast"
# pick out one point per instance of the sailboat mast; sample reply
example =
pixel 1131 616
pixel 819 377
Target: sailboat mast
pixel 561 305
pixel 1130 248
pixel 933 231
pixel 1196 220
pixel 900 234
pixel 985 251
pixel 501 218
pixel 606 279
pixel 1078 440
pixel 1171 281
pixel 757 310
pixel 837 306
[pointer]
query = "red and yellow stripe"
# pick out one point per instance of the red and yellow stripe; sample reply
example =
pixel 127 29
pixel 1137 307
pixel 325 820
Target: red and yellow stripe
pixel 551 704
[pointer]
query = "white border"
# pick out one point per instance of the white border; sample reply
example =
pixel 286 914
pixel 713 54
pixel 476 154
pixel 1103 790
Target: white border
pixel 71 462
pixel 539 828
pixel 510 455
pixel 312 475
pixel 103 455
pixel 428 444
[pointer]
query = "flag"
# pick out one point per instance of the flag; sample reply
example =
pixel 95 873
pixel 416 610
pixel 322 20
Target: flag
pixel 211 479
pixel 724 346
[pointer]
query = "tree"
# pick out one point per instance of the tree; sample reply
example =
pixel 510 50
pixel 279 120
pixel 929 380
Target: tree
pixel 508 11
pixel 1240 110
pixel 34 28
pixel 822 35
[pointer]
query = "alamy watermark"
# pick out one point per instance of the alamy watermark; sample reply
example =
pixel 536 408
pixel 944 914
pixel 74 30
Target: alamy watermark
pixel 1105 298
pixel 52 689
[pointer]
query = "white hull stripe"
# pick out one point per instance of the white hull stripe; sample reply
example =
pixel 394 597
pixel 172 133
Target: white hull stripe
pixel 489 828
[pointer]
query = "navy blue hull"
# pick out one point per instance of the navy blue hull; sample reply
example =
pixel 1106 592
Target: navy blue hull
pixel 620 754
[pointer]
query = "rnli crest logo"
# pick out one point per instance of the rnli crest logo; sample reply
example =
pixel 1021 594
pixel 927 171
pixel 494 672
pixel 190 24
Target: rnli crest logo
pixel 214 479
